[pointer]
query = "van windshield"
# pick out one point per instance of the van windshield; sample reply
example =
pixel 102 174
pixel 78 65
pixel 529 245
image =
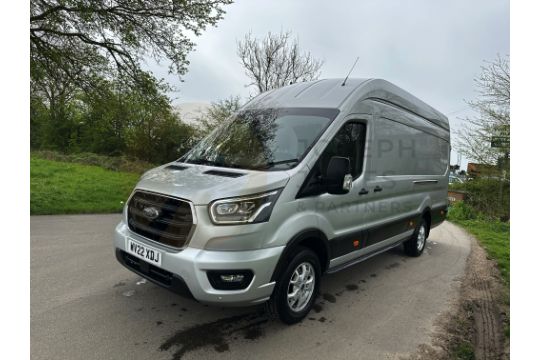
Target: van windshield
pixel 262 139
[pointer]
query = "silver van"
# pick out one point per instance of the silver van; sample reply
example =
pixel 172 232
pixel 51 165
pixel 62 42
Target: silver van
pixel 304 180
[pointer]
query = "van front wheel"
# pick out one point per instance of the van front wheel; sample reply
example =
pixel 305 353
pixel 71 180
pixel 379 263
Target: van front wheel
pixel 416 244
pixel 297 287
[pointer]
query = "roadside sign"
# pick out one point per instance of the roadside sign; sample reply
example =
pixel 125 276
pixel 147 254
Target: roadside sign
pixel 500 142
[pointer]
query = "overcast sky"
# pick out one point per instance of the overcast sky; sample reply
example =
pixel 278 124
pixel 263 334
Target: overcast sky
pixel 431 48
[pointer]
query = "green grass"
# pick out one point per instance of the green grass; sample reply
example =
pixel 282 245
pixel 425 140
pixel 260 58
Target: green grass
pixel 463 351
pixel 117 163
pixel 494 236
pixel 70 188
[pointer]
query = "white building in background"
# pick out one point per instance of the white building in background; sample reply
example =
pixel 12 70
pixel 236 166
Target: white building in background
pixel 190 111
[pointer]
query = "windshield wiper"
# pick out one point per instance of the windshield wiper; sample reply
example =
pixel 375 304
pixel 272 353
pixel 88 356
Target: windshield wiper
pixel 281 162
pixel 215 163
pixel 202 162
pixel 238 166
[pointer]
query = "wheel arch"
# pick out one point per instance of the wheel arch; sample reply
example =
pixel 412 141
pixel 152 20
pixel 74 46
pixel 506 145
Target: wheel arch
pixel 426 215
pixel 313 239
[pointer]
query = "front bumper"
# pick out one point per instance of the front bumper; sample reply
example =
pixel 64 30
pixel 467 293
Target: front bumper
pixel 185 270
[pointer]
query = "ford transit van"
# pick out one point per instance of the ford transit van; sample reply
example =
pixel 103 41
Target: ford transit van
pixel 304 180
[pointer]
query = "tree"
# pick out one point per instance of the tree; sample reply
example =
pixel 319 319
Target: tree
pixel 485 138
pixel 276 61
pixel 217 113
pixel 88 90
pixel 136 121
pixel 114 118
pixel 75 40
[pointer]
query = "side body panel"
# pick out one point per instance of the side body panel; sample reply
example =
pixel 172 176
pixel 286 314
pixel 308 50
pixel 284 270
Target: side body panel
pixel 360 225
pixel 408 162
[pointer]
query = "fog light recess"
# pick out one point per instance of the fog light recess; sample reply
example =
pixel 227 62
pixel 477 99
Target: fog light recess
pixel 229 279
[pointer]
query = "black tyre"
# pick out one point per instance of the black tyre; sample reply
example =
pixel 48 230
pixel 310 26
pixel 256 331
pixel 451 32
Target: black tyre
pixel 297 287
pixel 416 244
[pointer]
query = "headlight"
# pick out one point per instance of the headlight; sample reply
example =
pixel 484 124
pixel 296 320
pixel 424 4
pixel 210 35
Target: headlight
pixel 243 210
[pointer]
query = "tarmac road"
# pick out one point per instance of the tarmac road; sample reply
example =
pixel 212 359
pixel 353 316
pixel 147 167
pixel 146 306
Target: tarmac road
pixel 84 305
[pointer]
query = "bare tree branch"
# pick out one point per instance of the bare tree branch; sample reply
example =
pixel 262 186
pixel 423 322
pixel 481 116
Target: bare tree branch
pixel 276 61
pixel 493 120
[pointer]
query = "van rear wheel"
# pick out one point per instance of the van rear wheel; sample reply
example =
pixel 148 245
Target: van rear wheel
pixel 297 287
pixel 416 244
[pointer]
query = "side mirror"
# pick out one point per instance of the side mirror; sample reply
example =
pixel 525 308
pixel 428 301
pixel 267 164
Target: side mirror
pixel 338 175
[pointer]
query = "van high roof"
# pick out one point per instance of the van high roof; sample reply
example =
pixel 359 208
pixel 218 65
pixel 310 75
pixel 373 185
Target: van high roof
pixel 329 93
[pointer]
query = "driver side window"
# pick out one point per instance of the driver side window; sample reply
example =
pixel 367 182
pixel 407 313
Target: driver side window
pixel 349 142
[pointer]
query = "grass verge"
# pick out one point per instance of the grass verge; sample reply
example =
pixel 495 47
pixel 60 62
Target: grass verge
pixel 70 188
pixel 117 163
pixel 476 324
pixel 494 236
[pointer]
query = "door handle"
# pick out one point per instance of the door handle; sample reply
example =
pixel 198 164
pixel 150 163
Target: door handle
pixel 377 189
pixel 363 191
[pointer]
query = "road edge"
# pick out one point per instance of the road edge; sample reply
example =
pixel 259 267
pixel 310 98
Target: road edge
pixel 474 327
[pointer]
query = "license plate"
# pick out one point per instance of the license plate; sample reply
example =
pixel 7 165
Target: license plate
pixel 144 252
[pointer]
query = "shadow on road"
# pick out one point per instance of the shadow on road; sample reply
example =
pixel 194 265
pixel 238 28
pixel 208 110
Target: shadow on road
pixel 225 326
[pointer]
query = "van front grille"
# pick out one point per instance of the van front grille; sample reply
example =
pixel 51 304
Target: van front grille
pixel 160 218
